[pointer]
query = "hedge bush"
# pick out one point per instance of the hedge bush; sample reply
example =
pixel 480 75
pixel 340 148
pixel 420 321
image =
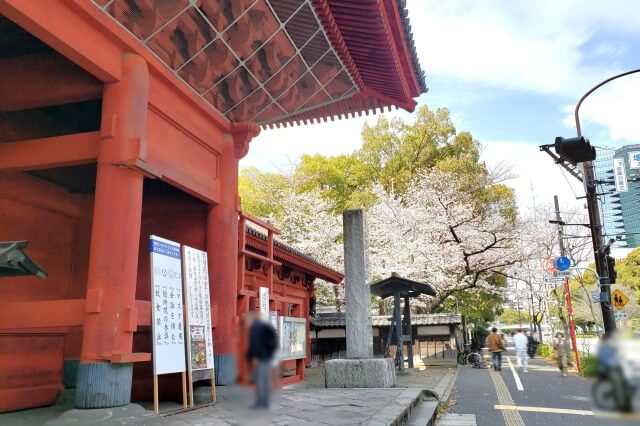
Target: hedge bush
pixel 545 350
pixel 589 365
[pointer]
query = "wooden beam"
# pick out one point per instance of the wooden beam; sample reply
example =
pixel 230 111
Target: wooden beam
pixel 44 153
pixel 260 257
pixel 45 313
pixel 44 79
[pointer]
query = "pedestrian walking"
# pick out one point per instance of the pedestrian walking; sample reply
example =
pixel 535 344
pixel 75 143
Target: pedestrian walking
pixel 532 344
pixel 560 352
pixel 262 347
pixel 520 341
pixel 496 345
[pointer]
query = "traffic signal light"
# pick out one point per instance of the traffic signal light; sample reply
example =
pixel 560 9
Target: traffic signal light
pixel 575 150
pixel 611 267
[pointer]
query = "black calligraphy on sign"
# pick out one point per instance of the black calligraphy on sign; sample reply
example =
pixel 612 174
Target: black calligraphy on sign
pixel 199 304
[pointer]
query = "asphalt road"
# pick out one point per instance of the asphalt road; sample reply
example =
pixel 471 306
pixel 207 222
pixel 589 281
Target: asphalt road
pixel 539 397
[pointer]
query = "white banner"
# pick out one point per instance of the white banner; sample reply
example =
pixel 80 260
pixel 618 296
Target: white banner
pixel 264 301
pixel 166 299
pixel 196 281
pixel 634 160
pixel 620 175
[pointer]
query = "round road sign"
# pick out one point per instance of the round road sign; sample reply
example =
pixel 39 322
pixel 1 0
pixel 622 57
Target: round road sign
pixel 562 263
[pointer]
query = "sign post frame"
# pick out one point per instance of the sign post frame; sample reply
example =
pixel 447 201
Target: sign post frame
pixel 201 299
pixel 163 257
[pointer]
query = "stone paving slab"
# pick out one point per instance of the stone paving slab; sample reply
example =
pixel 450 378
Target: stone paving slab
pixel 309 406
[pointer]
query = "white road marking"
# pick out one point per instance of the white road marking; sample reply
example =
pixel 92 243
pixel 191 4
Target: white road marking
pixel 515 375
pixel 545 410
pixel 599 414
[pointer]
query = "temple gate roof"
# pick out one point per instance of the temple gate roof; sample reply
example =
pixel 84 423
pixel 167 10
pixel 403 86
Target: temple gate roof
pixel 281 61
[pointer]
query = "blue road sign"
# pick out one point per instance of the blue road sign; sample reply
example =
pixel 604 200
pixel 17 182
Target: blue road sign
pixel 562 263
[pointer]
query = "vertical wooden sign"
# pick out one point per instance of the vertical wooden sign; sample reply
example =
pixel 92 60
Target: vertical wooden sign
pixel 199 337
pixel 264 301
pixel 167 313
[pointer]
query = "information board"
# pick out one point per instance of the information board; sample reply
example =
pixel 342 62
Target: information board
pixel 166 299
pixel 196 281
pixel 293 338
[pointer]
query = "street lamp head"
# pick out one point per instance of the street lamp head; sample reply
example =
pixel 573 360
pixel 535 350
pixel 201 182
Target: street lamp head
pixel 557 222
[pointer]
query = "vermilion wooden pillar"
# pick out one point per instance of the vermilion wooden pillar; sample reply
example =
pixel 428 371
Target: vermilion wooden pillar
pixel 222 248
pixel 105 370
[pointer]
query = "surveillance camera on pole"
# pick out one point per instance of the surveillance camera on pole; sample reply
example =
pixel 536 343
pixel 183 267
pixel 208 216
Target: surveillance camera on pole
pixel 575 150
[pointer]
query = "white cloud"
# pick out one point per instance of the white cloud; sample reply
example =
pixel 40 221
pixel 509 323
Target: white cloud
pixel 278 148
pixel 524 45
pixel 539 178
pixel 615 106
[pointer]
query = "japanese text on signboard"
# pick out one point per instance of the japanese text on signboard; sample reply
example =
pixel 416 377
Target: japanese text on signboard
pixel 166 299
pixel 198 308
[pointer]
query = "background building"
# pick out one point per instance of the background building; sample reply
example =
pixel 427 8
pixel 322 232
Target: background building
pixel 616 168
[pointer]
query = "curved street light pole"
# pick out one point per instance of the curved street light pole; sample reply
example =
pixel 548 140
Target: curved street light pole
pixel 588 173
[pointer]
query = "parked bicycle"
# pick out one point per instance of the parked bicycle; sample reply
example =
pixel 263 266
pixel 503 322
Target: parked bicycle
pixel 470 358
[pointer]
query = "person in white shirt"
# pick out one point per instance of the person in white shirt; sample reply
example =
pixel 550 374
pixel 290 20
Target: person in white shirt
pixel 520 341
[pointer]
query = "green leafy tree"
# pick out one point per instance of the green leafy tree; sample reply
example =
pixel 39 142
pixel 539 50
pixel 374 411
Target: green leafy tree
pixel 510 316
pixel 261 192
pixel 628 270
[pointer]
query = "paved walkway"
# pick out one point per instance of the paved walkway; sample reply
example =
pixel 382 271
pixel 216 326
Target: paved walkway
pixel 310 402
pixel 374 407
pixel 304 403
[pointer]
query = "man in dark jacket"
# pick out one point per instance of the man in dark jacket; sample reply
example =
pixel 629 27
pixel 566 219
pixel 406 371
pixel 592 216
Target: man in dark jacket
pixel 532 344
pixel 262 347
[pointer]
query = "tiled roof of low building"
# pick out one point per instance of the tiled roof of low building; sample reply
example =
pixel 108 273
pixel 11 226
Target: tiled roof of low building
pixel 337 320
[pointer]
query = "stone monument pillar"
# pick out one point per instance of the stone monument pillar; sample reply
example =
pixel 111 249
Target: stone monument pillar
pixel 357 292
pixel 360 369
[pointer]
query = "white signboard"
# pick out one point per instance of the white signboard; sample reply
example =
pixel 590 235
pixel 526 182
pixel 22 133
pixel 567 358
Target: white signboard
pixel 634 160
pixel 621 315
pixel 620 175
pixel 166 298
pixel 595 296
pixel 196 287
pixel 264 300
pixel 274 319
pixel 566 273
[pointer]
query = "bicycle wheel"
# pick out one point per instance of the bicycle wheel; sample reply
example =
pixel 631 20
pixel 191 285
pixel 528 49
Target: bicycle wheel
pixel 473 359
pixel 603 393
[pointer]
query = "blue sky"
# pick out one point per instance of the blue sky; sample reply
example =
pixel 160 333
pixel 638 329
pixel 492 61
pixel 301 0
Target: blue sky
pixel 510 72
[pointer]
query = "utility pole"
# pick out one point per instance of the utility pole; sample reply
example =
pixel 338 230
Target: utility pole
pixel 599 249
pixel 567 290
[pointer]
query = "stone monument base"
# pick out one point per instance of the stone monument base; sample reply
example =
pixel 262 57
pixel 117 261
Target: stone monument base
pixel 360 373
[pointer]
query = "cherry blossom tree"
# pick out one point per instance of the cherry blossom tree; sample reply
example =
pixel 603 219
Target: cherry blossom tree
pixel 438 233
pixel 307 225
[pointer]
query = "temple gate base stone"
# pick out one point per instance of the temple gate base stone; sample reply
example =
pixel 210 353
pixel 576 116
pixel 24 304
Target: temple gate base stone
pixel 360 373
pixel 103 384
